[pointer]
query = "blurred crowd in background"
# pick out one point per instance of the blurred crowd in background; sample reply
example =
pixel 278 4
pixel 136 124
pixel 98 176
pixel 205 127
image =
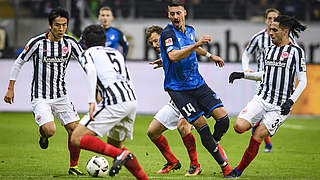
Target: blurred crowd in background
pixel 247 10
pixel 305 10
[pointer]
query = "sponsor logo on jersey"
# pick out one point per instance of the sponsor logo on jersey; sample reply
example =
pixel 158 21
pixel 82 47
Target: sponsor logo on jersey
pixel 26 48
pixel 269 62
pixel 284 55
pixel 112 37
pixel 169 42
pixel 65 50
pixel 54 59
pixel 244 111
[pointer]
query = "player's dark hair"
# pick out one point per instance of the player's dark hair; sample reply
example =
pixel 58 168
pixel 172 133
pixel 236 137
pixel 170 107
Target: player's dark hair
pixel 174 3
pixel 56 13
pixel 152 29
pixel 94 35
pixel 291 23
pixel 269 10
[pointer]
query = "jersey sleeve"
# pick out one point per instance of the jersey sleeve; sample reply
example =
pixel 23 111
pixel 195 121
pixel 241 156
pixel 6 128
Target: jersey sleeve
pixel 88 66
pixel 76 48
pixel 253 44
pixel 300 60
pixel 168 41
pixel 124 43
pixel 30 48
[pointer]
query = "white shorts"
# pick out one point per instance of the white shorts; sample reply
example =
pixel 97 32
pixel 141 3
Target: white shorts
pixel 258 109
pixel 114 120
pixel 169 116
pixel 61 107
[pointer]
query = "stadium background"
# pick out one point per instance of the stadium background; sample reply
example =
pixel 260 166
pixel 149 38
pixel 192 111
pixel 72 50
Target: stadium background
pixel 231 23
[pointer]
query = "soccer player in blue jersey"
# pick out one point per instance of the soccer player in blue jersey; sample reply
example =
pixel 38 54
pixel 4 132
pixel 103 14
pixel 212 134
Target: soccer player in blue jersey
pixel 115 38
pixel 186 86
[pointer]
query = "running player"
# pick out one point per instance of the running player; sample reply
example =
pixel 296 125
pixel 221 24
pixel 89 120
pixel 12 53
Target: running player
pixel 186 86
pixel 50 53
pixel 169 117
pixel 257 44
pixel 283 63
pixel 115 114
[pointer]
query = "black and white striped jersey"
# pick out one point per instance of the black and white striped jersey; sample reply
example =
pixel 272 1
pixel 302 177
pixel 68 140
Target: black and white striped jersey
pixel 258 43
pixel 113 77
pixel 50 60
pixel 281 67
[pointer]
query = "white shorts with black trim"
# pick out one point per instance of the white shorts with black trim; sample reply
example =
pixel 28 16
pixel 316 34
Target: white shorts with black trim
pixel 169 115
pixel 114 120
pixel 62 108
pixel 258 109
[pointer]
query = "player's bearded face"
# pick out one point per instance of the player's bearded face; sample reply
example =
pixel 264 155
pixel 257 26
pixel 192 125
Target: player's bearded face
pixel 276 33
pixel 177 14
pixel 59 27
pixel 154 41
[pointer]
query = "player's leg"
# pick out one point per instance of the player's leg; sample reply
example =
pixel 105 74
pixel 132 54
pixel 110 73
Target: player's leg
pixel 68 117
pixel 114 142
pixel 209 143
pixel 165 118
pixel 268 144
pixel 184 128
pixel 247 118
pixel 45 120
pixel 123 130
pixel 187 103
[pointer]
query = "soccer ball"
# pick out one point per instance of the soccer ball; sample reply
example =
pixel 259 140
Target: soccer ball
pixel 98 166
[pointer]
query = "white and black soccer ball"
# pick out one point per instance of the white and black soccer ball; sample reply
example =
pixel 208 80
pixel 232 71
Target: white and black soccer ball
pixel 98 166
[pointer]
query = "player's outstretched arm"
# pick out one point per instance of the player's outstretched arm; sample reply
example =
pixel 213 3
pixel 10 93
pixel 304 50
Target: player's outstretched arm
pixel 9 97
pixel 256 76
pixel 219 61
pixel 235 75
pixel 179 54
pixel 157 62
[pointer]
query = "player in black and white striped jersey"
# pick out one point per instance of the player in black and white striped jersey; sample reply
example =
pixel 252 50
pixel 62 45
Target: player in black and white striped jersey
pixel 257 44
pixel 260 41
pixel 116 112
pixel 284 62
pixel 50 53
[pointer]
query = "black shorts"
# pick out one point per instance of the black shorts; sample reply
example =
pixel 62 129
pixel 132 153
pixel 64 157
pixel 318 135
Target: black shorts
pixel 195 102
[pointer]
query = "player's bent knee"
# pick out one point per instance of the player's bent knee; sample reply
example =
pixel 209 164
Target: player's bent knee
pixel 239 129
pixel 75 140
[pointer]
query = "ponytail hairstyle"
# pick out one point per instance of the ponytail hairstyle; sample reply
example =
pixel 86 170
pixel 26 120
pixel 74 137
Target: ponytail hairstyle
pixel 291 23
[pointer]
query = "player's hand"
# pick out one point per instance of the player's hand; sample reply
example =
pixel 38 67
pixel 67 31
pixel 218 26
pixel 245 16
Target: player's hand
pixel 157 62
pixel 91 110
pixel 235 75
pixel 9 97
pixel 218 60
pixel 286 107
pixel 204 40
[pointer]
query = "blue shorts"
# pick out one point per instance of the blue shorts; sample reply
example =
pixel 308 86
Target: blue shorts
pixel 195 102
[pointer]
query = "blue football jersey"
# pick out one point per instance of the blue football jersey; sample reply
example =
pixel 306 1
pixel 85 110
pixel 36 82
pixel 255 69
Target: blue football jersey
pixel 117 40
pixel 184 74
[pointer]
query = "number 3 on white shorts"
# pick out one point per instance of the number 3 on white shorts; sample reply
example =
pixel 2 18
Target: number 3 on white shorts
pixel 188 109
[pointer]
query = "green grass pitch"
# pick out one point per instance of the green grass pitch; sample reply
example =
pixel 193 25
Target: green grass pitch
pixel 296 153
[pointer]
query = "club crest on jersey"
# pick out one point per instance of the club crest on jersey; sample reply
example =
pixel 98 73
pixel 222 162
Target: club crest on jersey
pixel 65 50
pixel 191 37
pixel 169 42
pixel 26 48
pixel 284 55
pixel 38 118
pixel 244 111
